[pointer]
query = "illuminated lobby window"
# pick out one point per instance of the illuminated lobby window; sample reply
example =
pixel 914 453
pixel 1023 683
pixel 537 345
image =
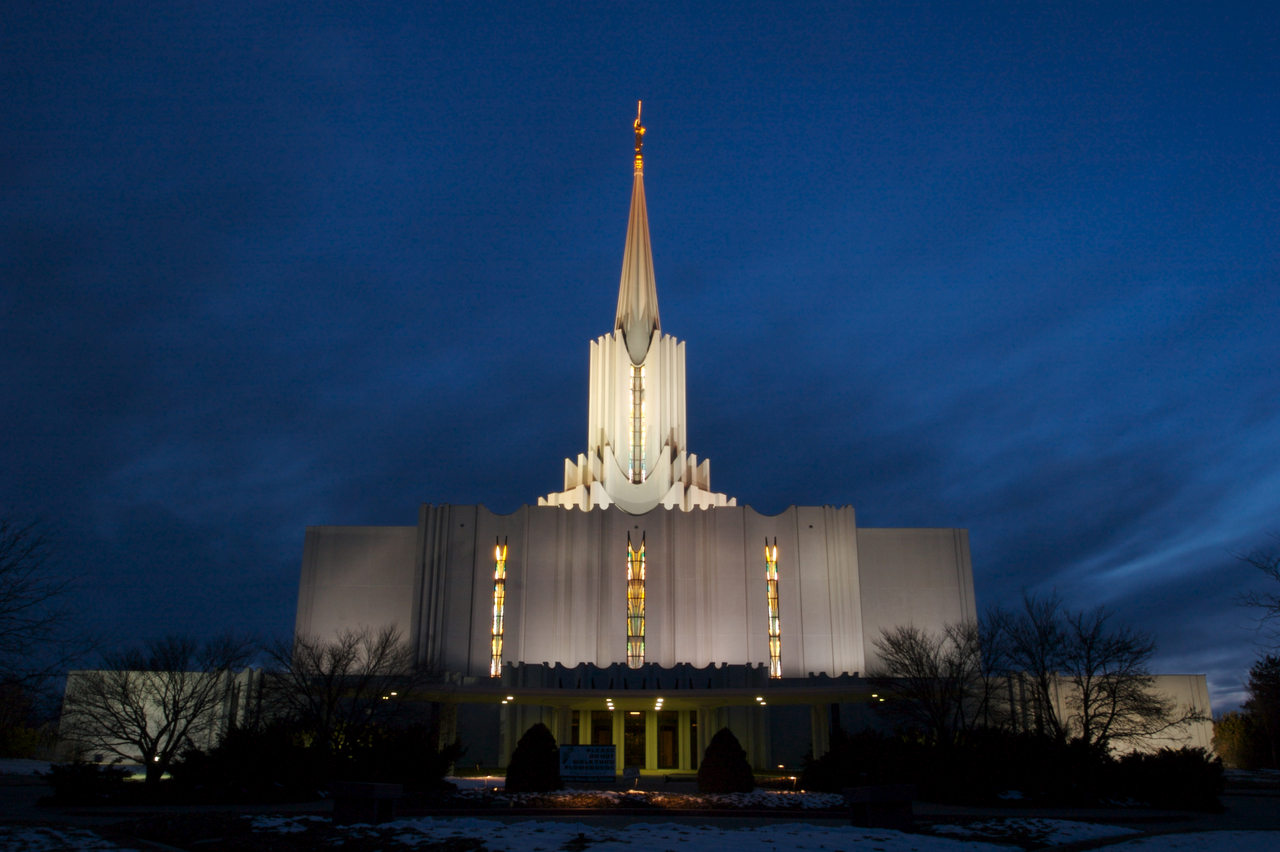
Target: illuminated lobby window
pixel 601 727
pixel 633 738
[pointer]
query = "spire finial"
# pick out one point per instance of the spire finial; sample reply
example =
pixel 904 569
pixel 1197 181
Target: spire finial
pixel 639 138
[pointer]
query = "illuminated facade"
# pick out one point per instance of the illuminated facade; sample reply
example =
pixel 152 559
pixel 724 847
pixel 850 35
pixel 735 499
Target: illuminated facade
pixel 636 456
pixel 628 607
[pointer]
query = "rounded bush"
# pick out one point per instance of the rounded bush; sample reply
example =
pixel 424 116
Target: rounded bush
pixel 724 767
pixel 535 764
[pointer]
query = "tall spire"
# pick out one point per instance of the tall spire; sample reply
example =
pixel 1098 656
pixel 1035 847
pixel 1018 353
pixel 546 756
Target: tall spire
pixel 638 294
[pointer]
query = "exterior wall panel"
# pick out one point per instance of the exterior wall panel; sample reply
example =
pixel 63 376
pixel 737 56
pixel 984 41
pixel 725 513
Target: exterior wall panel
pixel 705 585
pixel 355 577
pixel 913 576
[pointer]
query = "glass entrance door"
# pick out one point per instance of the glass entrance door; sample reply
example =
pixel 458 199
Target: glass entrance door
pixel 668 739
pixel 633 739
pixel 601 727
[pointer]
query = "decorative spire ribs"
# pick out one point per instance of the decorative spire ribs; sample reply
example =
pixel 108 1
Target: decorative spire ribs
pixel 638 293
pixel 636 458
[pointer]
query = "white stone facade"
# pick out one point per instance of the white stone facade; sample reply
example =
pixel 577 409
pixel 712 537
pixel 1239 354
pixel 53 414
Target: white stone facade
pixel 673 478
pixel 636 456
pixel 565 592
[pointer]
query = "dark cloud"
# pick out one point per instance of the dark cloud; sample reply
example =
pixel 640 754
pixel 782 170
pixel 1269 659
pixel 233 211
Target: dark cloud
pixel 1011 269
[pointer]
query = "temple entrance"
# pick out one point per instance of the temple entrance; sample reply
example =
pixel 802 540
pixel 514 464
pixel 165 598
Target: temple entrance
pixel 668 739
pixel 601 727
pixel 633 739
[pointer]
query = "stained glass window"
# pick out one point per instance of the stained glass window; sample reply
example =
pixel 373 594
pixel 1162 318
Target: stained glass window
pixel 775 635
pixel 499 602
pixel 635 603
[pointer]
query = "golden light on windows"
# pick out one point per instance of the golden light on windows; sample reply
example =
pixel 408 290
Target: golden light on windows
pixel 775 634
pixel 635 603
pixel 499 603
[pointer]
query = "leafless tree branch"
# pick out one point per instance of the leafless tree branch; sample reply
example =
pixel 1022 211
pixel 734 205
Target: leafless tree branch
pixel 336 687
pixel 155 700
pixel 1266 603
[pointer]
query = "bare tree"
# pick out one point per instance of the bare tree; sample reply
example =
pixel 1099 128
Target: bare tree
pixel 1035 645
pixel 1081 675
pixel 1090 677
pixel 335 688
pixel 37 635
pixel 1267 604
pixel 153 701
pixel 937 681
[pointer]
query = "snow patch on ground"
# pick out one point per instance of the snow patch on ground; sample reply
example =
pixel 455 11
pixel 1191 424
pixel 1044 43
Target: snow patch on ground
pixel 539 836
pixel 37 838
pixel 1250 773
pixel 1040 832
pixel 1204 841
pixel 282 824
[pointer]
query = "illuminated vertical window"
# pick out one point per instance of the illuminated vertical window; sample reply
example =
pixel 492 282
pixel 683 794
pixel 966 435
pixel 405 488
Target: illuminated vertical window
pixel 775 636
pixel 635 603
pixel 499 601
pixel 635 459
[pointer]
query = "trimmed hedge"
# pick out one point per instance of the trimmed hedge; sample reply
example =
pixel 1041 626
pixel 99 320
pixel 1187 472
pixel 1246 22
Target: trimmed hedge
pixel 991 767
pixel 1188 779
pixel 275 764
pixel 80 783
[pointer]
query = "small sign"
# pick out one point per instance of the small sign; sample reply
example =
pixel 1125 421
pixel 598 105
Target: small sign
pixel 588 763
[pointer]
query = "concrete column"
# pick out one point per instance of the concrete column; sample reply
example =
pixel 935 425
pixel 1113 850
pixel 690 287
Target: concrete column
pixel 820 726
pixel 563 729
pixel 705 721
pixel 682 739
pixel 505 744
pixel 758 748
pixel 448 729
pixel 650 739
pixel 618 738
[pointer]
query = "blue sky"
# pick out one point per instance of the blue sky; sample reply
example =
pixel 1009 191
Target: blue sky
pixel 1008 267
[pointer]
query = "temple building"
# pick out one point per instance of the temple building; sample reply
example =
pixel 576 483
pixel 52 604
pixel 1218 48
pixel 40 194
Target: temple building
pixel 637 606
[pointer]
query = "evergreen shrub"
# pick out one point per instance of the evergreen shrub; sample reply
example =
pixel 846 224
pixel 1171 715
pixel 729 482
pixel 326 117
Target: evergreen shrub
pixel 81 783
pixel 1240 739
pixel 724 767
pixel 405 756
pixel 267 764
pixel 1182 778
pixel 535 764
